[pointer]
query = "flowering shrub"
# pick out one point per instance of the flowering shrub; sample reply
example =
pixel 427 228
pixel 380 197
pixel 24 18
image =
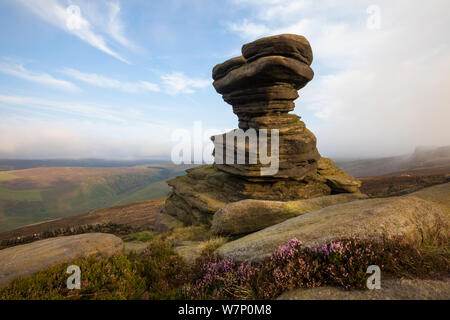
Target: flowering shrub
pixel 159 273
pixel 164 270
pixel 216 278
pixel 112 278
pixel 337 263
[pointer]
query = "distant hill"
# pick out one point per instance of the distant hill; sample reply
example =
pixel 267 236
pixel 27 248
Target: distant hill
pixel 19 164
pixel 39 194
pixel 422 161
pixel 44 193
pixel 393 176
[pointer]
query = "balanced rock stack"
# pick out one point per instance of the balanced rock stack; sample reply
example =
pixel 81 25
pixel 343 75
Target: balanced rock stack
pixel 261 85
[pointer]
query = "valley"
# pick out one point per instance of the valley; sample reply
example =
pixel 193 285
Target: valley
pixel 39 194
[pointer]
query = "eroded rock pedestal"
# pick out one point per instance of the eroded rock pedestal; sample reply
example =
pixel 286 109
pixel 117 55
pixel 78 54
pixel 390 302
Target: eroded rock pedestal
pixel 261 85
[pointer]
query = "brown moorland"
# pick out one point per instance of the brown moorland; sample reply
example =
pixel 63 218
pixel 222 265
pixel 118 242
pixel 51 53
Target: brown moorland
pixel 119 220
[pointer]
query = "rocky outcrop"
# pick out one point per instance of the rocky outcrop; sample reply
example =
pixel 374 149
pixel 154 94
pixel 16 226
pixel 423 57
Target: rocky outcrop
pixel 262 88
pixel 250 215
pixel 391 289
pixel 421 217
pixel 26 259
pixel 261 85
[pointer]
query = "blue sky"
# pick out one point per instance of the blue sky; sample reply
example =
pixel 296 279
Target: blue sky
pixel 132 72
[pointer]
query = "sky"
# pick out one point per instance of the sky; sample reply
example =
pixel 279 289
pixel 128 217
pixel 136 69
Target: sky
pixel 118 79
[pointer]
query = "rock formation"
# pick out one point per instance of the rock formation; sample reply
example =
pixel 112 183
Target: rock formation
pixel 420 217
pixel 261 85
pixel 247 216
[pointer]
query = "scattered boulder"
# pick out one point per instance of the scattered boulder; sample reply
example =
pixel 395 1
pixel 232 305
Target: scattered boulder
pixel 410 217
pixel 391 289
pixel 26 259
pixel 250 215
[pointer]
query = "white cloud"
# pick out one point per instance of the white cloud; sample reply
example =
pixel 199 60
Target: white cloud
pixel 19 71
pixel 177 82
pixel 173 83
pixel 107 82
pixel 376 92
pixel 249 30
pixel 115 26
pixel 270 10
pixel 73 109
pixel 53 12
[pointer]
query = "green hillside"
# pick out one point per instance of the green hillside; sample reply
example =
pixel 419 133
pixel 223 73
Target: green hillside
pixel 39 194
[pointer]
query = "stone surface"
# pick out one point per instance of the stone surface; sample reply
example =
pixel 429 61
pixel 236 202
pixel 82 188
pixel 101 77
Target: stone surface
pixel 336 178
pixel 250 215
pixel 439 194
pixel 165 222
pixel 261 85
pixel 409 217
pixel 26 259
pixel 259 72
pixel 287 45
pixel 196 196
pixel 391 289
pixel 188 250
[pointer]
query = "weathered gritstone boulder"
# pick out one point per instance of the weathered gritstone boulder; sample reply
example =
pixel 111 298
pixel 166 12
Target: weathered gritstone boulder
pixel 26 259
pixel 410 217
pixel 336 178
pixel 391 289
pixel 439 194
pixel 261 85
pixel 250 215
pixel 196 196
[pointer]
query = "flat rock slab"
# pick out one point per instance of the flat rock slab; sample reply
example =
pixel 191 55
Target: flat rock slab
pixel 26 259
pixel 439 194
pixel 251 215
pixel 412 217
pixel 392 289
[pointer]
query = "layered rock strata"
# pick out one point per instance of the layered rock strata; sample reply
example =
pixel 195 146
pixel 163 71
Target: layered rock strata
pixel 261 85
